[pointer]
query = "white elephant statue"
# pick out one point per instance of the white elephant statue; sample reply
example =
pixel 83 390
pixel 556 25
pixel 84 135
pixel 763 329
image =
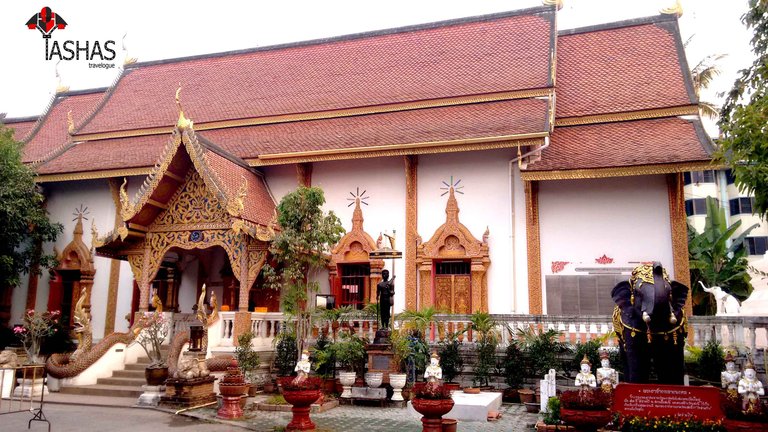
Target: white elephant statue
pixel 726 303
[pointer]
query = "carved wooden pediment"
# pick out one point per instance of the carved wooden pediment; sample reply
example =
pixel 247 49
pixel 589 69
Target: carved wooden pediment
pixel 356 245
pixel 76 256
pixel 452 239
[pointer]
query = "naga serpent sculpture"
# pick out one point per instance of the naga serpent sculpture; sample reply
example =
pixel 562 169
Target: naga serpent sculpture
pixel 70 365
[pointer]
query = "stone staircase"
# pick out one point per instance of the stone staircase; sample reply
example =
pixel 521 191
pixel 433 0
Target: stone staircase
pixel 124 383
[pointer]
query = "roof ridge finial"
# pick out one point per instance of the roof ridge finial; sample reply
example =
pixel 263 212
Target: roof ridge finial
pixel 127 60
pixel 556 3
pixel 60 88
pixel 677 9
pixel 183 122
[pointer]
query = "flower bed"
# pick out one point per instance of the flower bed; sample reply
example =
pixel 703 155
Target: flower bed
pixel 669 424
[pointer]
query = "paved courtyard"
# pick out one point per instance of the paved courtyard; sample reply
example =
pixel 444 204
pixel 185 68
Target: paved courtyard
pixel 347 418
pixel 77 418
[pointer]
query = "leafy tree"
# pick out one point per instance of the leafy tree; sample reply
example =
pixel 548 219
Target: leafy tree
pixel 714 262
pixel 744 143
pixel 299 249
pixel 24 220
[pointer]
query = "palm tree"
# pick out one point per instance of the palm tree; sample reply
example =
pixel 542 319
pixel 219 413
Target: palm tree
pixel 702 75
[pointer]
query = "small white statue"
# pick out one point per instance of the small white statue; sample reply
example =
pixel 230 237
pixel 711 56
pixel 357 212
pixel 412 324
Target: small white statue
pixel 606 375
pixel 729 378
pixel 750 389
pixel 302 367
pixel 434 372
pixel 585 378
pixel 726 303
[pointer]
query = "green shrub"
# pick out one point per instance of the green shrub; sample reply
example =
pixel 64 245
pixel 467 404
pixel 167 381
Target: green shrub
pixel 540 350
pixel 552 416
pixel 513 367
pixel 450 358
pixel 247 358
pixel 711 361
pixel 285 354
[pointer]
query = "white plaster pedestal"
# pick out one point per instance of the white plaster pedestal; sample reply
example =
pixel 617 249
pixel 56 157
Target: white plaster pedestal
pixel 469 407
pixel 28 388
pixel 151 396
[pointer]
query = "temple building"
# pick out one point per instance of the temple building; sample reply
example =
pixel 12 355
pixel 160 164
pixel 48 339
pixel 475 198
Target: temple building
pixel 520 169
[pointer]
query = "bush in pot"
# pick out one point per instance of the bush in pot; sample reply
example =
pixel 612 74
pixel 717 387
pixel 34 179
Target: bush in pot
pixel 514 372
pixel 540 351
pixel 349 352
pixel 487 340
pixel 285 353
pixel 450 357
pixel 155 329
pixel 247 358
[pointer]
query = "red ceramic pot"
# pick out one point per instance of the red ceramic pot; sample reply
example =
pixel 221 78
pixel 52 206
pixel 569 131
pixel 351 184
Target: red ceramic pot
pixel 585 419
pixel 432 411
pixel 452 386
pixel 233 390
pixel 744 426
pixel 301 401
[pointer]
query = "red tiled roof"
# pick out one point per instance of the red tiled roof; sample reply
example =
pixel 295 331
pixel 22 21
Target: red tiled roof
pixel 489 119
pixel 621 69
pixel 115 153
pixel 487 55
pixel 259 205
pixel 53 133
pixel 606 145
pixel 20 128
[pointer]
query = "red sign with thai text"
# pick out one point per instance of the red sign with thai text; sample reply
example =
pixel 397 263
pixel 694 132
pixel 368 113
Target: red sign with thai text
pixel 656 400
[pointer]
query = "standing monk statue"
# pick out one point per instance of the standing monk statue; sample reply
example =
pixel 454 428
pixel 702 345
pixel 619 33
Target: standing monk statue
pixel 385 291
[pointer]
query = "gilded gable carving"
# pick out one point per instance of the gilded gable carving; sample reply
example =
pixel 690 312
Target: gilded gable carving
pixel 193 205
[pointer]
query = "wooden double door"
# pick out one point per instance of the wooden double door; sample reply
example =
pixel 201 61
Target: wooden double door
pixel 452 287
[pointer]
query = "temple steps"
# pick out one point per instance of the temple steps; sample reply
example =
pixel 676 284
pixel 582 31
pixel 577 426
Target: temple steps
pixel 124 383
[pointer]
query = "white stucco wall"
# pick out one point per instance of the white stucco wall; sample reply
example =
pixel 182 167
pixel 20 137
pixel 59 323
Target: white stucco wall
pixel 485 178
pixel 383 180
pixel 625 218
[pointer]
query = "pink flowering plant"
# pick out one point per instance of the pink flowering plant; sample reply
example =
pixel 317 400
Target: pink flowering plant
pixel 37 326
pixel 154 330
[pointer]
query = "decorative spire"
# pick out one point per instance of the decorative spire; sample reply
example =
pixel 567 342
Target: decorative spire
pixel 183 122
pixel 677 9
pixel 357 216
pixel 452 206
pixel 79 216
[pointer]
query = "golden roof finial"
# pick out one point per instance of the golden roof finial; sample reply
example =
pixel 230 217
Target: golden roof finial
pixel 677 9
pixel 127 59
pixel 60 88
pixel 183 121
pixel 557 3
pixel 70 123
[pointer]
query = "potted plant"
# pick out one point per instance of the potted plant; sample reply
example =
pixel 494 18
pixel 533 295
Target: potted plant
pixel 586 408
pixel 301 394
pixel 349 352
pixel 36 328
pixel 324 362
pixel 432 401
pixel 450 359
pixel 486 341
pixel 334 317
pixel 285 353
pixel 247 360
pixel 402 350
pixel 514 373
pixel 154 329
pixel 540 350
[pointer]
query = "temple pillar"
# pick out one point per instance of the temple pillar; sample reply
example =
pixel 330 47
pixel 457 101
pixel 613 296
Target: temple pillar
pixel 411 230
pixel 679 229
pixel 425 284
pixel 535 302
pixel 478 270
pixel 114 265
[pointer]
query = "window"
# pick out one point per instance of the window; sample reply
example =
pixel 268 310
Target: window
pixel 707 176
pixel 729 176
pixel 742 205
pixel 696 206
pixel 452 268
pixel 354 284
pixel 757 245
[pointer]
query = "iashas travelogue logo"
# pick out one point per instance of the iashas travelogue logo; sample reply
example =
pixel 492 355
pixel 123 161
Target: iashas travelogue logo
pixel 46 21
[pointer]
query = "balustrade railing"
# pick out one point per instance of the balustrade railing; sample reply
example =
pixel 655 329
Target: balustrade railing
pixel 749 332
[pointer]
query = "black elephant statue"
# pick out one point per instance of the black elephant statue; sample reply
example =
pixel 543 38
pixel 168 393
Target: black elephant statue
pixel 650 324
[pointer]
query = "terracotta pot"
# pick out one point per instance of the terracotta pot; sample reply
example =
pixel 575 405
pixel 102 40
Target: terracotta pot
pixel 269 386
pixel 744 426
pixel 252 389
pixel 471 390
pixel 232 390
pixel 329 385
pixel 432 411
pixel 538 396
pixel 511 395
pixel 526 395
pixel 532 407
pixel 584 419
pixel 156 376
pixel 301 401
pixel 450 425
